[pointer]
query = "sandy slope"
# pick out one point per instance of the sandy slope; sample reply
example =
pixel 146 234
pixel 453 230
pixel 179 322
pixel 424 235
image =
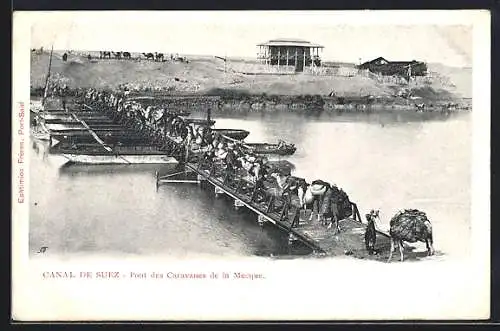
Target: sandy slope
pixel 203 74
pixel 456 80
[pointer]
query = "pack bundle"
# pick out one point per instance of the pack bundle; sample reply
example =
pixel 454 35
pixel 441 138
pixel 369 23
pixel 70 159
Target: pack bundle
pixel 409 224
pixel 343 203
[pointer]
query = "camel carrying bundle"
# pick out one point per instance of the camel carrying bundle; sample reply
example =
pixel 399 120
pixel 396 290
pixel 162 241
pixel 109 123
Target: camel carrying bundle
pixel 409 224
pixel 343 203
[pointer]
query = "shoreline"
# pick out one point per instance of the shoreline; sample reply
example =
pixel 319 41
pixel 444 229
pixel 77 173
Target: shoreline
pixel 246 103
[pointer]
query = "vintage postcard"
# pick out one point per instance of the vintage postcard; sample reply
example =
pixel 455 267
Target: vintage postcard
pixel 250 165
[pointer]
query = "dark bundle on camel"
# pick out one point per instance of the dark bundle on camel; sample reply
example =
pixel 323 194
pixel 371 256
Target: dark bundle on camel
pixel 410 225
pixel 341 199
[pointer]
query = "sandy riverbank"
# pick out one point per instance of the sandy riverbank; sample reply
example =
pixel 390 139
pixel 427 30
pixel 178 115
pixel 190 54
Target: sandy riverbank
pixel 447 88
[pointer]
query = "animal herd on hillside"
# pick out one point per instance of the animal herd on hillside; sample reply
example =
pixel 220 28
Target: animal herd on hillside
pixel 156 56
pixel 123 55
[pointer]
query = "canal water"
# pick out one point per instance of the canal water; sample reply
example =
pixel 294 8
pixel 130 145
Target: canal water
pixel 384 161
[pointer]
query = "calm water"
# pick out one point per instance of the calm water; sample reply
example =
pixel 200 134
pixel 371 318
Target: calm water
pixel 383 161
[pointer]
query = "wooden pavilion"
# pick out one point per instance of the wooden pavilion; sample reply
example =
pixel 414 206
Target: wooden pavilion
pixel 290 52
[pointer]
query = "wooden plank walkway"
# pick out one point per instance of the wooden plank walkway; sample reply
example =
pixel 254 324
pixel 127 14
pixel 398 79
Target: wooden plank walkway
pixel 350 240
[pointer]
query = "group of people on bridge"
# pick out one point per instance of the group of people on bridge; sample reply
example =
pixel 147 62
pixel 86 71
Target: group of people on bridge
pixel 195 142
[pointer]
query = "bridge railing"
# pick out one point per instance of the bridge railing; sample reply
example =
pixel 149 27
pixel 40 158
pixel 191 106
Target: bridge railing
pixel 243 188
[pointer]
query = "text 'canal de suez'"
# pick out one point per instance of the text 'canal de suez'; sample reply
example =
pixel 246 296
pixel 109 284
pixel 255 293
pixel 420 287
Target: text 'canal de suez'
pixel 151 275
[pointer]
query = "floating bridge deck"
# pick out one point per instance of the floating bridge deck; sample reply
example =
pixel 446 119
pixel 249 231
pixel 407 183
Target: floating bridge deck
pixel 288 217
pixel 292 219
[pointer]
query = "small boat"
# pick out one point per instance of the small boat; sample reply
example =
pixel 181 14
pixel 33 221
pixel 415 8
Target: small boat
pixel 199 121
pixel 70 121
pixel 61 110
pixel 87 137
pixel 84 135
pixel 78 126
pixel 266 148
pixel 237 134
pixel 85 131
pixel 68 114
pixel 95 153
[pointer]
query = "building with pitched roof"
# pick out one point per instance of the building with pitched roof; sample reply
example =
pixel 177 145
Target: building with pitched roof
pixel 395 68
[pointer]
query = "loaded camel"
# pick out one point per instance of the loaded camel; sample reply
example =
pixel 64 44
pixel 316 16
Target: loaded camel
pixel 410 225
pixel 118 55
pixel 329 209
pixel 149 56
pixel 313 196
pixel 159 57
pixel 319 195
pixel 104 54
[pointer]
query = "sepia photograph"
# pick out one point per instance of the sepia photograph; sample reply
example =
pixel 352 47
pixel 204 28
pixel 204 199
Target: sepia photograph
pixel 252 165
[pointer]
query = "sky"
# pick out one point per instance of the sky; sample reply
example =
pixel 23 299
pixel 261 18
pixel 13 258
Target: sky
pixel 348 36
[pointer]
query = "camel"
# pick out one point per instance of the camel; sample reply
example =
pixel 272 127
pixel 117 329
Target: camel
pixel 328 212
pixel 126 55
pixel 118 55
pixel 159 57
pixel 311 194
pixel 410 225
pixel 332 203
pixel 104 54
pixel 149 56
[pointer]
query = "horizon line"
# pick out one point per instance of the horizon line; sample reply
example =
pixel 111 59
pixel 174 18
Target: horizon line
pixel 47 49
